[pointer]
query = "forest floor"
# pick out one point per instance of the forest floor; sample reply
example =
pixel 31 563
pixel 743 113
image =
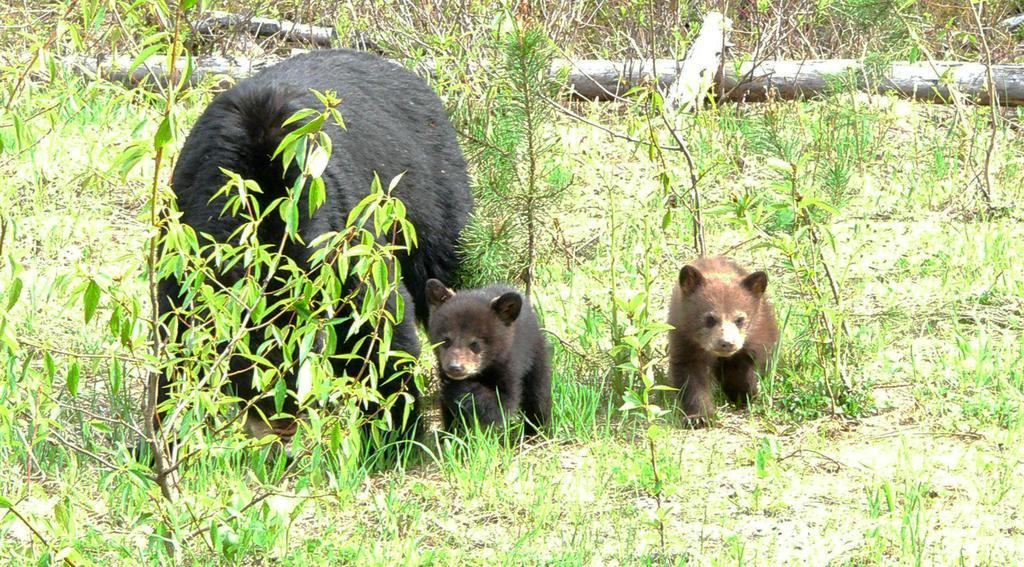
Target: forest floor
pixel 923 463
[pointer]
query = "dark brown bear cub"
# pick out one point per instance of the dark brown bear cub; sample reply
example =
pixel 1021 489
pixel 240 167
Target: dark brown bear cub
pixel 491 356
pixel 725 331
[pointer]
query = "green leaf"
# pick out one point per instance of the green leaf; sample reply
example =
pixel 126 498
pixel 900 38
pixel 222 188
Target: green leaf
pixel 143 55
pixel 215 534
pixel 163 133
pixel 630 401
pixel 14 293
pixel 286 149
pixel 128 159
pixel 7 335
pixel 190 68
pixel 300 150
pixel 50 366
pixel 394 182
pixel 116 377
pixel 299 115
pixel 91 299
pixel 280 391
pixel 60 512
pixel 317 194
pixel 73 374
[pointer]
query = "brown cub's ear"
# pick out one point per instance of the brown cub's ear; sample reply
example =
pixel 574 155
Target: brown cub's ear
pixel 507 306
pixel 755 283
pixel 437 293
pixel 690 279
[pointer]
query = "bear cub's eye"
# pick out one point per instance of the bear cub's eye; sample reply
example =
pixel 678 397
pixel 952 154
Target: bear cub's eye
pixel 710 320
pixel 740 321
pixel 446 342
pixel 475 347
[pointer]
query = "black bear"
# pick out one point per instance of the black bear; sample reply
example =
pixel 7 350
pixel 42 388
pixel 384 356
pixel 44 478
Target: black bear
pixel 492 358
pixel 724 330
pixel 394 124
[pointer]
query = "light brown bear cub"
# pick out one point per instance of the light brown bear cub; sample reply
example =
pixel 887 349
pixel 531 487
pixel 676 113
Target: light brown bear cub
pixel 724 331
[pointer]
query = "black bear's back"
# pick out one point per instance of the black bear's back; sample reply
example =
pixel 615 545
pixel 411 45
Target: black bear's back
pixel 394 124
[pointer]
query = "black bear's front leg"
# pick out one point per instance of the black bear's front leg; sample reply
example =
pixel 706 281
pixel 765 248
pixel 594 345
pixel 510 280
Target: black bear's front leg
pixel 462 399
pixel 739 380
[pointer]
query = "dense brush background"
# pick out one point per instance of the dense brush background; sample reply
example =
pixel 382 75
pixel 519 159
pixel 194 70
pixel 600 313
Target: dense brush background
pixel 889 430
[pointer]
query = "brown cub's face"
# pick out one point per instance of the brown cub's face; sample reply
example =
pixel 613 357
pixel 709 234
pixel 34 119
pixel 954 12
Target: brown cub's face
pixel 719 310
pixel 469 330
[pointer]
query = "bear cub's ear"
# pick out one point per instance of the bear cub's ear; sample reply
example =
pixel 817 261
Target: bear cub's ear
pixel 507 307
pixel 437 293
pixel 690 279
pixel 755 283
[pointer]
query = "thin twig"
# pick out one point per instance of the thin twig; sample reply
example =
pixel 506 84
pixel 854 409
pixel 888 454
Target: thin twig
pixel 698 220
pixel 83 451
pixel 36 532
pixel 818 454
pixel 35 57
pixel 993 101
pixel 604 128
pixel 153 387
pixel 39 347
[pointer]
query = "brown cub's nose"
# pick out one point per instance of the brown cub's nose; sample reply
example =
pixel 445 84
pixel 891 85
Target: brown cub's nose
pixel 454 369
pixel 726 345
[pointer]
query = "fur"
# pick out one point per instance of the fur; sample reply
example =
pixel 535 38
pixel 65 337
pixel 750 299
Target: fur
pixel 492 358
pixel 724 331
pixel 394 124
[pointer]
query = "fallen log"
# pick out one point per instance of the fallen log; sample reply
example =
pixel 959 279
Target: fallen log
pixel 214 21
pixel 123 70
pixel 597 79
pixel 1013 23
pixel 929 82
pixel 749 81
pixel 610 80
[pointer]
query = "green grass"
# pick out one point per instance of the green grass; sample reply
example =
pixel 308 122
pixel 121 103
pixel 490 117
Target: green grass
pixel 924 467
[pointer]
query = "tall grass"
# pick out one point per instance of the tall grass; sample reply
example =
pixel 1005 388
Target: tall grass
pixel 901 311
